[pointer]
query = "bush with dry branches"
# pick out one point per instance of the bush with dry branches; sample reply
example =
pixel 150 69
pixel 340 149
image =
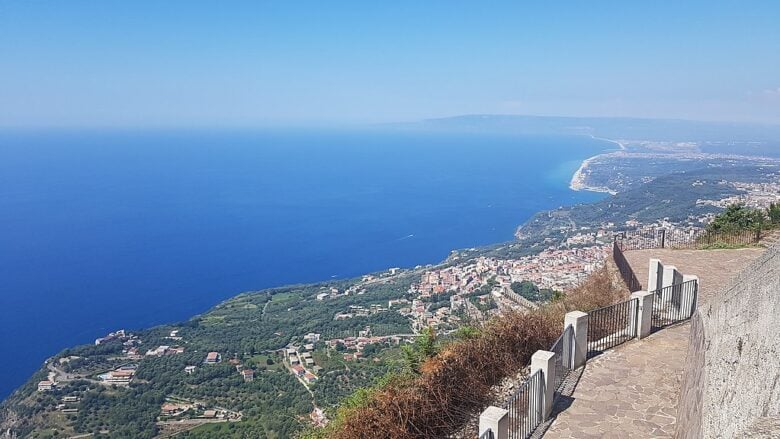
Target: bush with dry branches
pixel 457 384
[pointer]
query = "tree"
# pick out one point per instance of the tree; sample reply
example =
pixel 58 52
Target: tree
pixel 530 291
pixel 736 218
pixel 773 212
pixel 527 289
pixel 424 347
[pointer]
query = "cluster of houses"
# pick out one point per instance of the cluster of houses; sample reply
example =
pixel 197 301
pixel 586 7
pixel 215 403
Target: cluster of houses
pixel 161 351
pixel 357 344
pixel 67 404
pixel 553 268
pixel 358 288
pixel 121 376
pixel 118 335
pixel 174 408
pixel 301 360
pixel 247 374
pixel 129 343
pixel 360 311
pixel 332 293
pixel 556 268
pixel 754 195
pixel 215 357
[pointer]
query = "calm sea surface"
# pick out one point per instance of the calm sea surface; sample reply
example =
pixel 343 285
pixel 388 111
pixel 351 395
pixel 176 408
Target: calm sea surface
pixel 107 230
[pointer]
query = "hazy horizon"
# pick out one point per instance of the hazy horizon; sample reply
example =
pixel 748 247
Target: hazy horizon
pixel 179 64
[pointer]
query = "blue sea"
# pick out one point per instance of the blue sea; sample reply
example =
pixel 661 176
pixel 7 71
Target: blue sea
pixel 102 230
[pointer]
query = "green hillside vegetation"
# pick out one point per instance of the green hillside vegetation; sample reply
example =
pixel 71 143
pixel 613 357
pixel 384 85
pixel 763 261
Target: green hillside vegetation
pixel 250 327
pixel 447 383
pixel 737 218
pixel 531 291
pixel 673 197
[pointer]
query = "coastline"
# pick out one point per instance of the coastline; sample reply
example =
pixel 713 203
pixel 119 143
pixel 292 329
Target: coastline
pixel 158 308
pixel 578 180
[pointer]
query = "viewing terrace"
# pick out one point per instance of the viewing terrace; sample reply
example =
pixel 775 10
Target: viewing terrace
pixel 633 389
pixel 630 385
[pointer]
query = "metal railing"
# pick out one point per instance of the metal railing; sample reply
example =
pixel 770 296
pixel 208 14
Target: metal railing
pixel 563 348
pixel 525 407
pixel 488 434
pixel 626 272
pixel 674 304
pixel 612 325
pixel 683 238
pixel 742 237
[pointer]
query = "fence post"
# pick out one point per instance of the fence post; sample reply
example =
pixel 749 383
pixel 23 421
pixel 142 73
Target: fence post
pixel 693 298
pixel 655 276
pixel 579 322
pixel 496 420
pixel 545 361
pixel 663 237
pixel 644 313
pixel 670 277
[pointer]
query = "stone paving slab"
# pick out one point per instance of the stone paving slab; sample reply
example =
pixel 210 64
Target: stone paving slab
pixel 632 391
pixel 629 391
pixel 714 267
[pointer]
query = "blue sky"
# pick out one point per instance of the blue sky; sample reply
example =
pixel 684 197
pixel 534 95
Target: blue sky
pixel 202 63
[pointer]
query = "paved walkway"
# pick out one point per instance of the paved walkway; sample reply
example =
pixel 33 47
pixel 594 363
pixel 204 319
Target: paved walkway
pixel 714 267
pixel 632 391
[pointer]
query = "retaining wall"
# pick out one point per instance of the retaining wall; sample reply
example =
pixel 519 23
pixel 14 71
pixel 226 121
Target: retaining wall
pixel 731 382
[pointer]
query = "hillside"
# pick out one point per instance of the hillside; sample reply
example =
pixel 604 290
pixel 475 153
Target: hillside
pixel 247 331
pixel 678 198
pixel 267 363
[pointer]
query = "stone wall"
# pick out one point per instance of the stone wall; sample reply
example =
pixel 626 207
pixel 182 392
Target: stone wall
pixel 731 382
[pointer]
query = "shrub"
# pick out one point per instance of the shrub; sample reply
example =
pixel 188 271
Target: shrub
pixel 736 218
pixel 457 383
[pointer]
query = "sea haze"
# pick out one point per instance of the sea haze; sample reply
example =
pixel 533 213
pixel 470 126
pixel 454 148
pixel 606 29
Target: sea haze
pixel 107 230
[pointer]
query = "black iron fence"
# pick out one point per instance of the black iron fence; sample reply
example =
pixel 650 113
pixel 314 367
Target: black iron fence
pixel 683 238
pixel 742 237
pixel 526 407
pixel 674 304
pixel 612 325
pixel 626 272
pixel 563 348
pixel 488 434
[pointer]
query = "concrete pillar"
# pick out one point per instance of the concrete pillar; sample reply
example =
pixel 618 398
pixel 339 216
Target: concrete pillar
pixel 671 276
pixel 689 302
pixel 655 276
pixel 644 314
pixel 545 361
pixel 579 322
pixel 497 420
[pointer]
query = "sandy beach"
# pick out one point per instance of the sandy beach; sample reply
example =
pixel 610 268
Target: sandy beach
pixel 579 179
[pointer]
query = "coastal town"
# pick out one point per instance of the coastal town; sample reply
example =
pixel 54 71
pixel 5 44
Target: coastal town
pixel 442 297
pixel 468 288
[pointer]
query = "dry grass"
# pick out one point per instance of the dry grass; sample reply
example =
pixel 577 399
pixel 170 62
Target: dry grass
pixel 456 384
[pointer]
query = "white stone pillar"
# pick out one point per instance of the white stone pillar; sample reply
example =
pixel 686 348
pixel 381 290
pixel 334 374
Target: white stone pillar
pixel 689 302
pixel 496 420
pixel 671 276
pixel 655 276
pixel 545 361
pixel 644 314
pixel 579 322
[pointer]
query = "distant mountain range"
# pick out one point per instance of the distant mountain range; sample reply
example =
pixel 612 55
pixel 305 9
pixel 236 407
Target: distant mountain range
pixel 609 127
